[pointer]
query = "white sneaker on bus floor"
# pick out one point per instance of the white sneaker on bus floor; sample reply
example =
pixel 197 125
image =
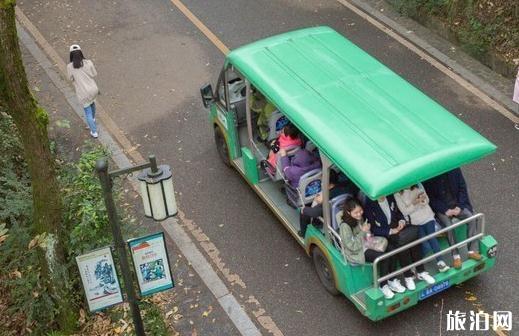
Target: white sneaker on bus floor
pixel 388 293
pixel 442 266
pixel 396 286
pixel 94 135
pixel 425 277
pixel 409 283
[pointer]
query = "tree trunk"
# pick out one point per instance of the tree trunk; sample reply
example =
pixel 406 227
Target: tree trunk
pixel 31 122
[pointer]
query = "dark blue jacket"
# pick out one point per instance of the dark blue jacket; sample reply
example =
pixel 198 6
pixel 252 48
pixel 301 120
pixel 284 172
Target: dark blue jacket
pixel 378 220
pixel 437 187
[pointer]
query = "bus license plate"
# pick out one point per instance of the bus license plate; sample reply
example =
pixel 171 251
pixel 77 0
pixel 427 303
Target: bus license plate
pixel 436 288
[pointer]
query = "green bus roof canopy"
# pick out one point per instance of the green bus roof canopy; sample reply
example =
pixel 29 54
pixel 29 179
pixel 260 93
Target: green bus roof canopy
pixel 381 131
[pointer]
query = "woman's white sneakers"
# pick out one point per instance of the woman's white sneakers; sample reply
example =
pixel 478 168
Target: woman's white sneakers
pixel 409 283
pixel 425 277
pixel 396 286
pixel 94 135
pixel 388 293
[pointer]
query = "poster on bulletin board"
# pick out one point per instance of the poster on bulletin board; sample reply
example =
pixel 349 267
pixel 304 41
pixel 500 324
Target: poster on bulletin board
pixel 99 279
pixel 150 259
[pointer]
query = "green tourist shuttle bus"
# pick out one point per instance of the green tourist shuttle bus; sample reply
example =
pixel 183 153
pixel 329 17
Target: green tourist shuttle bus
pixel 365 122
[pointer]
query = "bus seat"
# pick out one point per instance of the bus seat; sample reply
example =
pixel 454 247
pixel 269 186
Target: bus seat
pixel 237 99
pixel 276 173
pixel 276 123
pixel 240 108
pixel 336 208
pixel 309 186
pixel 236 92
pixel 310 146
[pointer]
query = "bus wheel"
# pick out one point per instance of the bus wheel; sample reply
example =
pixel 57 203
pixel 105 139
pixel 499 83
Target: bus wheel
pixel 324 271
pixel 221 146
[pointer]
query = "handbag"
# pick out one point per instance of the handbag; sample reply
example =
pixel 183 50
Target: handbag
pixel 407 235
pixel 375 243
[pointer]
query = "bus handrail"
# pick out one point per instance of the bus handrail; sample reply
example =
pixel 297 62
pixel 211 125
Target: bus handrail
pixel 337 236
pixel 377 280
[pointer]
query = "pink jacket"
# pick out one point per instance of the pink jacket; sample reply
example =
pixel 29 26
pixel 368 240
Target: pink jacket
pixel 284 142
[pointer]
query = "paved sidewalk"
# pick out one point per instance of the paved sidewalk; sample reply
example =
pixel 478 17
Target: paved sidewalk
pixel 494 85
pixel 194 309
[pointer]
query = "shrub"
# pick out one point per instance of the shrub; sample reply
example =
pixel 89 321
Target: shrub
pixel 15 189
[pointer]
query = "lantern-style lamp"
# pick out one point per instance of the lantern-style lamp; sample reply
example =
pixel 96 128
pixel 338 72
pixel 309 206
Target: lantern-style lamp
pixel 158 196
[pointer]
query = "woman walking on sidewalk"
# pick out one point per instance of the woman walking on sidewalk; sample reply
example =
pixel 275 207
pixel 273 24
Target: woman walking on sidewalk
pixel 82 72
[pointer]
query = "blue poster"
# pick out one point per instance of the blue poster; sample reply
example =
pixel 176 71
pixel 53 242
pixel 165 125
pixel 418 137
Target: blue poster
pixel 150 259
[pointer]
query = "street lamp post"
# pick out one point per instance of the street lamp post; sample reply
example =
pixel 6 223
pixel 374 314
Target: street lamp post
pixel 159 203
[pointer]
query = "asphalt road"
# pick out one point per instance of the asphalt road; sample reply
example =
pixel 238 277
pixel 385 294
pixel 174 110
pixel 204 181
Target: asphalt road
pixel 151 62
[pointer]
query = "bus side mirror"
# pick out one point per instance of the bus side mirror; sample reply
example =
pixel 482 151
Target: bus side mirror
pixel 207 94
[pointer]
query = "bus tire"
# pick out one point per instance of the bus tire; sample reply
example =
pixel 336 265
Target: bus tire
pixel 324 271
pixel 221 146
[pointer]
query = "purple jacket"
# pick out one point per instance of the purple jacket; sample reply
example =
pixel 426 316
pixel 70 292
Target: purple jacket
pixel 302 162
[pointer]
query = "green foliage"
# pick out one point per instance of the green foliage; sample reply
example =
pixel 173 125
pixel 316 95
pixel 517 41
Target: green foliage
pixel 481 26
pixel 86 227
pixel 27 292
pixel 15 189
pixel 85 218
pixel 4 4
pixel 85 212
pixel 475 39
pixel 42 117
pixel 153 319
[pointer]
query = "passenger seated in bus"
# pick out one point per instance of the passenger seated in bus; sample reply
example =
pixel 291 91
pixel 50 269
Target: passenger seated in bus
pixel 450 201
pixel 287 139
pixel 302 162
pixel 361 247
pixel 414 204
pixel 264 109
pixel 387 221
pixel 313 214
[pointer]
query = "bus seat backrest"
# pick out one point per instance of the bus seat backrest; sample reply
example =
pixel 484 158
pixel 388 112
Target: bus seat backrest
pixel 336 207
pixel 276 123
pixel 310 185
pixel 240 109
pixel 236 90
pixel 310 146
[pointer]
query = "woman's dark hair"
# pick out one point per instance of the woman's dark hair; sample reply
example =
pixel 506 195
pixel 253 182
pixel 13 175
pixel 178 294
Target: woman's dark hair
pixel 76 58
pixel 349 205
pixel 291 131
